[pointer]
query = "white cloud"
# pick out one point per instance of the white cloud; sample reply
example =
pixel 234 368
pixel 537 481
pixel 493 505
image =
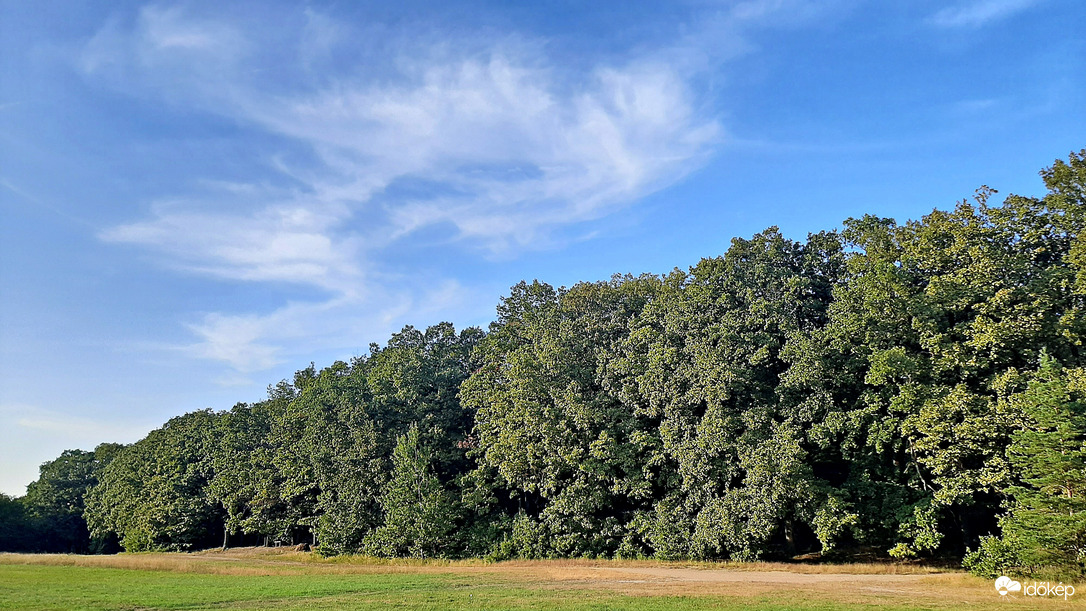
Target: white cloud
pixel 168 28
pixel 165 48
pixel 252 342
pixel 495 142
pixel 291 242
pixel 587 143
pixel 977 13
pixel 516 151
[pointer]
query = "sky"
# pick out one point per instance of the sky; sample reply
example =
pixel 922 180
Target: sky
pixel 198 199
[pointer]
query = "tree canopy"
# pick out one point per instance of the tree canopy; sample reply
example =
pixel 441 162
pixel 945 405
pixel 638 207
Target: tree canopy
pixel 910 389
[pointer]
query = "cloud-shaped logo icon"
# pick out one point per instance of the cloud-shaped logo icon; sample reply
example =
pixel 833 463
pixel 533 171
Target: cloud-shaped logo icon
pixel 1006 584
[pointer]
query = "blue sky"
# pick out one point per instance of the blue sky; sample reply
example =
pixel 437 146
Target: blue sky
pixel 198 199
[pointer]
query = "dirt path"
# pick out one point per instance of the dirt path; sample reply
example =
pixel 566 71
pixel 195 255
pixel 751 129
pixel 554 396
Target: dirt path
pixel 767 577
pixel 873 588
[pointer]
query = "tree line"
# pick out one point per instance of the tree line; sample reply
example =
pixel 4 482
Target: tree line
pixel 914 390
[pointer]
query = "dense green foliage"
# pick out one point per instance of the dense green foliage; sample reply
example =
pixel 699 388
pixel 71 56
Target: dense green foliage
pixel 914 389
pixel 50 518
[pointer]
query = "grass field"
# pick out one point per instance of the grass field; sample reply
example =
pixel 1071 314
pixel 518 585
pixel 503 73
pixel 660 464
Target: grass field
pixel 269 579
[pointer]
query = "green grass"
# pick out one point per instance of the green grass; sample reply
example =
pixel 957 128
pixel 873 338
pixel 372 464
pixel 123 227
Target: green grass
pixel 182 581
pixel 74 587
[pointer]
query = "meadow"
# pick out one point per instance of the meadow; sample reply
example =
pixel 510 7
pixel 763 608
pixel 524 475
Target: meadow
pixel 275 579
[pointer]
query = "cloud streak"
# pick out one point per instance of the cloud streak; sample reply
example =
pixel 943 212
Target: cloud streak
pixel 289 242
pixel 978 13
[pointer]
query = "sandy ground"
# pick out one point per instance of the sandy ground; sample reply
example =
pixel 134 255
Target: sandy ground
pixel 768 577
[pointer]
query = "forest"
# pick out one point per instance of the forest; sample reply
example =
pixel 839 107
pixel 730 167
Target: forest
pixel 897 390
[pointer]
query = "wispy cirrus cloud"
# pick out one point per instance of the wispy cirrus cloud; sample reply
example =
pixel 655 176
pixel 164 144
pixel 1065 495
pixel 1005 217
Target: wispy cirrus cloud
pixel 255 342
pixel 580 144
pixel 976 13
pixel 490 139
pixel 290 242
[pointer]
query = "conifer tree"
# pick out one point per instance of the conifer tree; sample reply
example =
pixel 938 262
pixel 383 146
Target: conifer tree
pixel 1047 524
pixel 420 515
pixel 1044 533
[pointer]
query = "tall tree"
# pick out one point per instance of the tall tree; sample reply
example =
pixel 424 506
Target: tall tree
pixel 933 322
pixel 154 494
pixel 707 358
pixel 335 438
pixel 550 431
pixel 421 517
pixel 54 503
pixel 246 481
pixel 16 529
pixel 1044 531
